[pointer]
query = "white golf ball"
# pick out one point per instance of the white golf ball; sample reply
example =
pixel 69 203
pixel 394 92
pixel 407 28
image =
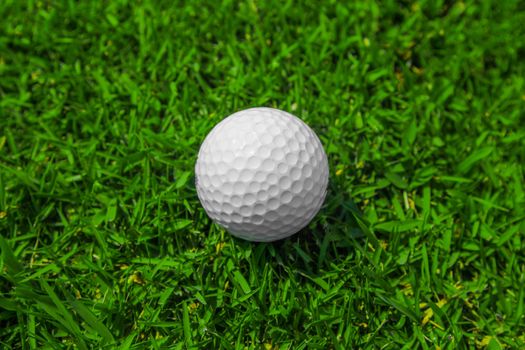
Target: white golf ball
pixel 262 174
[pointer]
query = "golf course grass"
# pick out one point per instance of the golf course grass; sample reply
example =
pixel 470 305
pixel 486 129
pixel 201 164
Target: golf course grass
pixel 420 106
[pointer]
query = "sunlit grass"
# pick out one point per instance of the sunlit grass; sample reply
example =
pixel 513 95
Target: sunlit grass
pixel 420 107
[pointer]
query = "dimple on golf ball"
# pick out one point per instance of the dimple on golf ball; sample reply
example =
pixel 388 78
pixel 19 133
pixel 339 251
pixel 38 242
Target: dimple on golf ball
pixel 262 174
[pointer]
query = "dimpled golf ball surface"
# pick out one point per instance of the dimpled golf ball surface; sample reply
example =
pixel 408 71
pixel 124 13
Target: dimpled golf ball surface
pixel 262 174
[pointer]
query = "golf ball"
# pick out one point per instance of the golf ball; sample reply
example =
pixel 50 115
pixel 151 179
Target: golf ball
pixel 262 174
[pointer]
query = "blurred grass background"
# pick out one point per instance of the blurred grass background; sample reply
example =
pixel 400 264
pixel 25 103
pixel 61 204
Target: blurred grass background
pixel 420 106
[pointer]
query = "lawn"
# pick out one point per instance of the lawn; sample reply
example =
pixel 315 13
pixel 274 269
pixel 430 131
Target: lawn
pixel 420 107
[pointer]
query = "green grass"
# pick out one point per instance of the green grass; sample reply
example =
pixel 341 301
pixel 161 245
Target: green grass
pixel 421 109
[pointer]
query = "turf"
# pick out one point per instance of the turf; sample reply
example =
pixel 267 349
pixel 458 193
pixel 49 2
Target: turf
pixel 420 107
